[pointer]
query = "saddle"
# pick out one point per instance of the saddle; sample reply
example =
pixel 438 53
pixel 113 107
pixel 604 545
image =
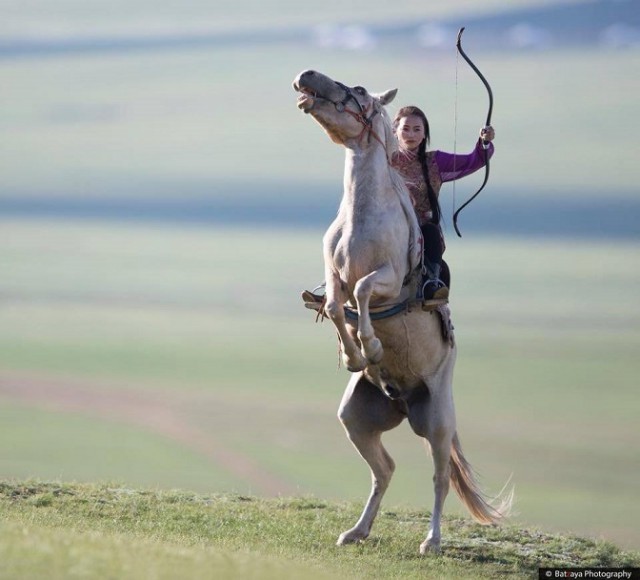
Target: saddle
pixel 438 306
pixel 315 301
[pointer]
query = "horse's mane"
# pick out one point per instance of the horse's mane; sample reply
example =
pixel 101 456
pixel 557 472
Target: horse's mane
pixel 391 143
pixel 391 146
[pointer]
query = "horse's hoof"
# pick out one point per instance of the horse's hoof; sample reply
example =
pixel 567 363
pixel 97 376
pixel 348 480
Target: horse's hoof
pixel 374 352
pixel 356 369
pixel 354 364
pixel 430 546
pixel 351 537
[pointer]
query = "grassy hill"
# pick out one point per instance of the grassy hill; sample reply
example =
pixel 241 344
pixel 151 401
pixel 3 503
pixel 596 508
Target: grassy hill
pixel 63 530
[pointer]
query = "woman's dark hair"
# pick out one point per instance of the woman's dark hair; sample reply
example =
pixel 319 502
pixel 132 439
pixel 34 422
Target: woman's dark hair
pixel 422 157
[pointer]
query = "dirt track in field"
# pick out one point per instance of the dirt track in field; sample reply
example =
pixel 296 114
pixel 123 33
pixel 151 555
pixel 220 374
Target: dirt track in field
pixel 155 412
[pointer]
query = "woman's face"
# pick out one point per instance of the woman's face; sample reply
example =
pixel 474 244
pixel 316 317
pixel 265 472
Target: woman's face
pixel 410 132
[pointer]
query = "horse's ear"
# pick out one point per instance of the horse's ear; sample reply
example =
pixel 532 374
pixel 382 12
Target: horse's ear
pixel 388 96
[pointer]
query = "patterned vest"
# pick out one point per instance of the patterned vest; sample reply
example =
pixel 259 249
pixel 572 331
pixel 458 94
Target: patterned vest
pixel 406 163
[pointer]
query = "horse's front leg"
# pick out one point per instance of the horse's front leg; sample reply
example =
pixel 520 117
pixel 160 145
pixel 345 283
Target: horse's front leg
pixel 334 309
pixel 382 283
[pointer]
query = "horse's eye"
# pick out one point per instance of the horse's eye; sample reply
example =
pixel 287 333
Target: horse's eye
pixel 360 90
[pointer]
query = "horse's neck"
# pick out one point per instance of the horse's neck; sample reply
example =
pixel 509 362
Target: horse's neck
pixel 373 190
pixel 367 181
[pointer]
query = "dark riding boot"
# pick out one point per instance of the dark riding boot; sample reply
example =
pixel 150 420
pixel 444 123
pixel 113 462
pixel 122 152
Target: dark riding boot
pixel 433 289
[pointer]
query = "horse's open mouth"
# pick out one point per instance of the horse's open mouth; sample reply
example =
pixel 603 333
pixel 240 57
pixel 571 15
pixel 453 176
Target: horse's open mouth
pixel 305 90
pixel 314 90
pixel 307 98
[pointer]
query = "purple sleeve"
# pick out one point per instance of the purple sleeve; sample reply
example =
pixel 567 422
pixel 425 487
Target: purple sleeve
pixel 454 167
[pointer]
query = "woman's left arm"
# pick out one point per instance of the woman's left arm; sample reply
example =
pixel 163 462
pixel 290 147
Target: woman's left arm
pixel 454 167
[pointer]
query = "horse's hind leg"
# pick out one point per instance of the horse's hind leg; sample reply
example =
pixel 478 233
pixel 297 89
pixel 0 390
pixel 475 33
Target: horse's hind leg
pixel 365 414
pixel 432 415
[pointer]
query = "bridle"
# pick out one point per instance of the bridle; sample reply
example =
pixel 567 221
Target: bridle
pixel 360 115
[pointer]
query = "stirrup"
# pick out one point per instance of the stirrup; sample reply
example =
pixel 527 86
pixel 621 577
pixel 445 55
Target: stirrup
pixel 312 300
pixel 441 290
pixel 439 297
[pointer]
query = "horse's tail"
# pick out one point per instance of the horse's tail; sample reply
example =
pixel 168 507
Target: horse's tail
pixel 468 490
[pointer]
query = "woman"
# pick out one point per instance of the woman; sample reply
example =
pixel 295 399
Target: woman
pixel 424 172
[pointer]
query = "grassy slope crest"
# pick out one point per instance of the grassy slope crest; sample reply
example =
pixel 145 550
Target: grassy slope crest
pixel 91 530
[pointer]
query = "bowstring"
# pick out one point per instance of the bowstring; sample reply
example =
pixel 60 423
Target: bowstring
pixel 455 133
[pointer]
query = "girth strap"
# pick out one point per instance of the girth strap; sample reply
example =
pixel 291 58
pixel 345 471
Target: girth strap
pixel 352 314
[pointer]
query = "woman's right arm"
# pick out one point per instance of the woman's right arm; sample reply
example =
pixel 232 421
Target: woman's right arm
pixel 454 167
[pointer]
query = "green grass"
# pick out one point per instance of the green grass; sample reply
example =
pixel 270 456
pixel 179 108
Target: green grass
pixel 36 552
pixel 36 547
pixel 207 323
pixel 97 531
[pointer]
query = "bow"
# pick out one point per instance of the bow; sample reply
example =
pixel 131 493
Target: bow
pixel 488 122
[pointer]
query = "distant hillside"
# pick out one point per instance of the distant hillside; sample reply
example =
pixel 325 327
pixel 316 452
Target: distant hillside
pixel 576 217
pixel 609 23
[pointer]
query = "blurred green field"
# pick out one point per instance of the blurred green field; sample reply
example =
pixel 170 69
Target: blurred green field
pixel 206 323
pixel 188 122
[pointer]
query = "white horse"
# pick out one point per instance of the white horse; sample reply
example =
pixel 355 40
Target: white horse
pixel 370 251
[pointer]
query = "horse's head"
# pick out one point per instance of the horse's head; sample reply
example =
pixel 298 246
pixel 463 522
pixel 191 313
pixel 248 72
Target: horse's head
pixel 347 114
